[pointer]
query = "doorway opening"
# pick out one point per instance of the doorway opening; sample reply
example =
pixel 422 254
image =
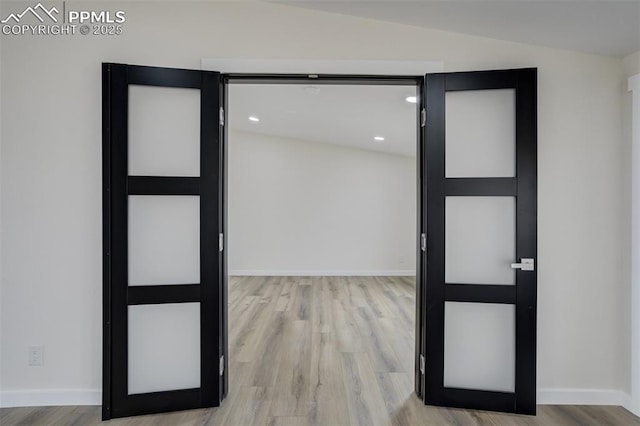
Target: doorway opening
pixel 321 244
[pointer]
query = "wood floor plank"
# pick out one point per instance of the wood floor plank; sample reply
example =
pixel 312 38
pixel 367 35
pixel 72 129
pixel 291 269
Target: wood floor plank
pixel 289 421
pixel 250 407
pixel 285 297
pixel 347 332
pixel 366 404
pixel 266 353
pixel 290 394
pixel 372 296
pixel 409 410
pixel 399 339
pixel 383 358
pixel 247 340
pixel 328 397
pixel 321 318
pixel 392 401
pixel 326 351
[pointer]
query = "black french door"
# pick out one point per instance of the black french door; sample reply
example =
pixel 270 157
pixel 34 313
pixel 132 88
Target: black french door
pixel 164 240
pixel 478 241
pixel 164 332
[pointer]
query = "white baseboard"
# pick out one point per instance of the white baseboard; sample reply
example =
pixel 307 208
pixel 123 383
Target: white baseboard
pixel 582 397
pixel 50 397
pixel 289 273
pixel 632 406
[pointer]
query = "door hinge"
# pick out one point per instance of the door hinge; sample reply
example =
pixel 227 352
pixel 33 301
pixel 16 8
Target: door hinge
pixel 221 242
pixel 423 117
pixel 423 242
pixel 221 116
pixel 222 365
pixel 422 364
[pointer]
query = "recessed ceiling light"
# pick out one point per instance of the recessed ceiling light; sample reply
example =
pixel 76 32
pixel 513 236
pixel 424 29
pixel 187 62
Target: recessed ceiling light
pixel 378 138
pixel 254 118
pixel 412 99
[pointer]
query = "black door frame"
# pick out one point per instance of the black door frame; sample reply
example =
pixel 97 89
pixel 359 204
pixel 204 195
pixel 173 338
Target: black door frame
pixel 117 294
pixel 418 82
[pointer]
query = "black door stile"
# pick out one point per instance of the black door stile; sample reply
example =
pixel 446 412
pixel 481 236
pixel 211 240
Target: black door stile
pixel 117 294
pixel 421 261
pixel 523 187
pixel 106 242
pixel 526 239
pixel 210 270
pixel 434 194
pixel 222 212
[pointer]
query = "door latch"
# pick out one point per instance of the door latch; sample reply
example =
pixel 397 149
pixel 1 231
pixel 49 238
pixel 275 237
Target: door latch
pixel 524 265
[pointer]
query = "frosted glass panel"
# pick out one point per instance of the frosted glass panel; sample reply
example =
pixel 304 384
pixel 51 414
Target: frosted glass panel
pixel 164 131
pixel 164 239
pixel 479 346
pixel 480 240
pixel 164 347
pixel 480 133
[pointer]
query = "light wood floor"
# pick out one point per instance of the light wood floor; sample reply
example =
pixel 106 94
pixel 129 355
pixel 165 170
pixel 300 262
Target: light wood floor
pixel 323 351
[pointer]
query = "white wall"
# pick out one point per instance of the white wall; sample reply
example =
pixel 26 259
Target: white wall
pixel 634 299
pixel 631 64
pixel 304 208
pixel 51 178
pixel 1 233
pixel 630 67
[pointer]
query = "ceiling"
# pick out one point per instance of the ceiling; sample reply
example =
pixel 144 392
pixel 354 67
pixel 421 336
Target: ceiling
pixel 341 115
pixel 604 27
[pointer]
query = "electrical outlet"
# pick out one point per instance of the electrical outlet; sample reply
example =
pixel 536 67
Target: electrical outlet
pixel 36 356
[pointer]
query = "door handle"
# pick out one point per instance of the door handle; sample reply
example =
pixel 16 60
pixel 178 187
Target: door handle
pixel 524 265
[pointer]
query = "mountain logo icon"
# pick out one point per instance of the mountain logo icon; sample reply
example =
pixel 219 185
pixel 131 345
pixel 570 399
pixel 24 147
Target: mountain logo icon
pixel 39 11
